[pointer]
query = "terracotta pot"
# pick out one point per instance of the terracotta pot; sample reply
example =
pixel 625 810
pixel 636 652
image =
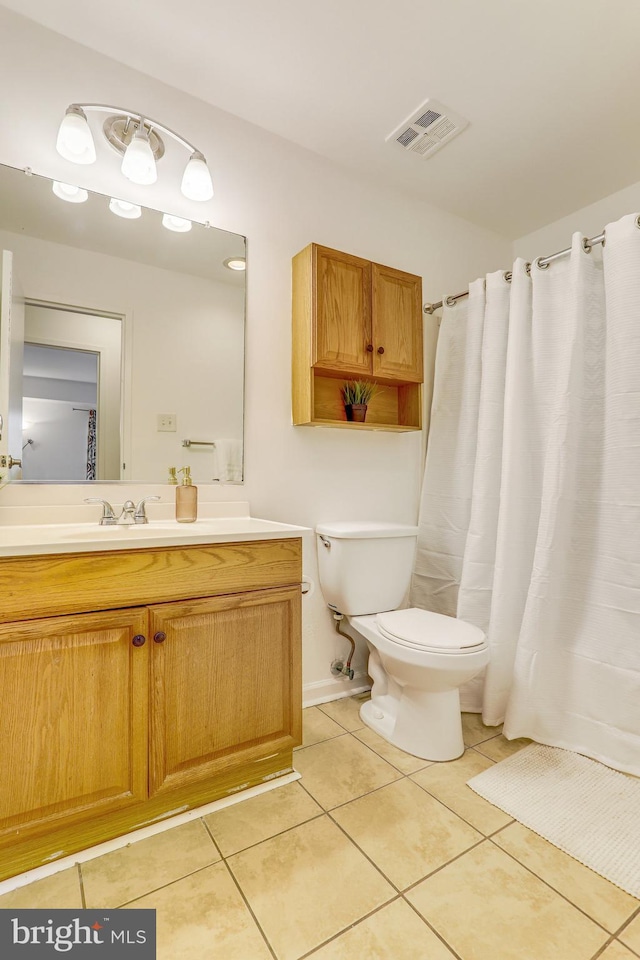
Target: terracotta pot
pixel 356 412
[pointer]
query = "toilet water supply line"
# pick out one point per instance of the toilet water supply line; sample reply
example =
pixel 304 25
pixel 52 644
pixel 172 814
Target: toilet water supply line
pixel 337 667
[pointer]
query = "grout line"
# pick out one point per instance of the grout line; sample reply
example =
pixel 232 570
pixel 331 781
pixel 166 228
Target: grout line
pixel 604 946
pixel 627 923
pixel 279 833
pixel 249 908
pixel 433 930
pixel 356 923
pixel 555 889
pixel 213 839
pixel 163 886
pixel 83 900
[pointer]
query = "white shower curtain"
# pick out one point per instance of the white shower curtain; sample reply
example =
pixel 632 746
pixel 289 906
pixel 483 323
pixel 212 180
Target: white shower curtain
pixel 530 510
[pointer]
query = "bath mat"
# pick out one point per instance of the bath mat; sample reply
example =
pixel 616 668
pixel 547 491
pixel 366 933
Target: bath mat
pixel 579 805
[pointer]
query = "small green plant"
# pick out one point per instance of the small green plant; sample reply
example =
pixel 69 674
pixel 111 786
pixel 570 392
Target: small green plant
pixel 358 391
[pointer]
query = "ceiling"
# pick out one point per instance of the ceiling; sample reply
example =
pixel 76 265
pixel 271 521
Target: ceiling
pixel 551 88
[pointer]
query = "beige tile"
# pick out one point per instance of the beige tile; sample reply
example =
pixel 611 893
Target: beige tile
pixel 346 711
pixel 59 892
pixel 601 900
pixel 402 761
pixel 340 770
pixel 474 730
pixel 487 906
pixel 317 726
pixel 499 748
pixel 308 884
pixel 136 869
pixel 631 935
pixel 448 782
pixel 393 933
pixel 615 951
pixel 405 831
pixel 203 917
pixel 259 818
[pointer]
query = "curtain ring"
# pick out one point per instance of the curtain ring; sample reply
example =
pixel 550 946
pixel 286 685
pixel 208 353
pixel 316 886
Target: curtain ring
pixel 527 269
pixel 450 301
pixel 586 245
pixel 506 276
pixel 638 221
pixel 539 263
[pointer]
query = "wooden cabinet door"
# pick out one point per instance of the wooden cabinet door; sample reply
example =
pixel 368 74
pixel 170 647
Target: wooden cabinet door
pixel 225 684
pixel 397 325
pixel 73 721
pixel 342 303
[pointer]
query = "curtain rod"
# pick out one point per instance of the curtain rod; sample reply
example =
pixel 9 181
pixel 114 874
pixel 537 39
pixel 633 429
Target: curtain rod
pixel 541 262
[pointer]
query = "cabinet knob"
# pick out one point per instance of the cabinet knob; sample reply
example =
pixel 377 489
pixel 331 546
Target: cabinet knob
pixel 380 349
pixel 138 640
pixel 159 637
pixel 369 348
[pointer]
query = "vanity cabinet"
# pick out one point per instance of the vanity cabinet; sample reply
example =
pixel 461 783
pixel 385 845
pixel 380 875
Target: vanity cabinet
pixel 354 319
pixel 184 688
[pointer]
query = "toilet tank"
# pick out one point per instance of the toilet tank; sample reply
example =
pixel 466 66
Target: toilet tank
pixel 364 566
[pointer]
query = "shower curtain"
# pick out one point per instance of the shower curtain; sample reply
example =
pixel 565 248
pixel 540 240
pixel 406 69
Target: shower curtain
pixel 530 511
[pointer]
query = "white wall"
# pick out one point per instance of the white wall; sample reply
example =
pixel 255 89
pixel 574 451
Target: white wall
pixel 281 197
pixel 590 221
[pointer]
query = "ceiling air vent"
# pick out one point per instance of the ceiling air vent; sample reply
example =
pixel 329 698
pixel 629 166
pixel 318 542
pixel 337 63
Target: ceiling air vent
pixel 427 129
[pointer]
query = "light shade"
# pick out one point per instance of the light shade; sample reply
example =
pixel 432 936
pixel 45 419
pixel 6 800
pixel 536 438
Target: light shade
pixel 196 180
pixel 122 208
pixel 177 224
pixel 138 164
pixel 66 191
pixel 75 141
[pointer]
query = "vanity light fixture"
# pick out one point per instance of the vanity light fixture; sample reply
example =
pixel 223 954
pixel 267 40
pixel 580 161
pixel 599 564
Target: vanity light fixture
pixel 138 139
pixel 235 263
pixel 67 191
pixel 177 224
pixel 122 208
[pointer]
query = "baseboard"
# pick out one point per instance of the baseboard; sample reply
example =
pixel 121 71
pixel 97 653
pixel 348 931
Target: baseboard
pixel 333 688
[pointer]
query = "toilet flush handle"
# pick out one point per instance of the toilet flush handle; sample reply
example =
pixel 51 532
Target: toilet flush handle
pixel 325 541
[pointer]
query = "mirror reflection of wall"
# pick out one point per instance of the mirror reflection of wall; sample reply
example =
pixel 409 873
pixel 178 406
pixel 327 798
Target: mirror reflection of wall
pixel 59 411
pixel 178 315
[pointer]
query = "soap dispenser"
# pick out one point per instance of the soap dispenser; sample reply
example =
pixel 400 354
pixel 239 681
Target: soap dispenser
pixel 173 480
pixel 186 498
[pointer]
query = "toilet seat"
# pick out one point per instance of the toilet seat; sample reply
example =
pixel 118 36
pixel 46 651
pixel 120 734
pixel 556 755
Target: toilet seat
pixel 431 632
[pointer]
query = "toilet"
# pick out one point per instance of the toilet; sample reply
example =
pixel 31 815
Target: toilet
pixel 417 659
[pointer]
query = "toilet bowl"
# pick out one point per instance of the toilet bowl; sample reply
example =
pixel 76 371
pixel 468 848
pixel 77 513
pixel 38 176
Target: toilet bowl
pixel 417 659
pixel 417 666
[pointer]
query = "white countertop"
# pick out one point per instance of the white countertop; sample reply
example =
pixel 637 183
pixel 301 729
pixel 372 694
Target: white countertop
pixel 36 538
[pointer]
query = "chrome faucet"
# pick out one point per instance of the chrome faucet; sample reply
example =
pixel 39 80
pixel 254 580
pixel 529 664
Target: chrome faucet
pixel 140 515
pixel 130 512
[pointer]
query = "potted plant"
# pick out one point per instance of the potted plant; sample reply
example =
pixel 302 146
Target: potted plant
pixel 356 395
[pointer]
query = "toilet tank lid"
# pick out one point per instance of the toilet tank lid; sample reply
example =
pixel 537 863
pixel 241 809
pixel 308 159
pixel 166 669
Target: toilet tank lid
pixel 365 529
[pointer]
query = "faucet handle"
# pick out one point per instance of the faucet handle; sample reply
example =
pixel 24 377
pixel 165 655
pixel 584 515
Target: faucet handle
pixel 108 516
pixel 140 515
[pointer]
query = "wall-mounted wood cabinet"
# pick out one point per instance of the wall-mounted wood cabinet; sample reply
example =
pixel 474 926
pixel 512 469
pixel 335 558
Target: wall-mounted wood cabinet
pixel 185 687
pixel 354 319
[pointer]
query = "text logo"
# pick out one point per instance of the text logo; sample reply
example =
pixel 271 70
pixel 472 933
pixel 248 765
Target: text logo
pixel 78 934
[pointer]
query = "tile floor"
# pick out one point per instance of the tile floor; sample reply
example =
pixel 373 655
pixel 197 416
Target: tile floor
pixel 372 855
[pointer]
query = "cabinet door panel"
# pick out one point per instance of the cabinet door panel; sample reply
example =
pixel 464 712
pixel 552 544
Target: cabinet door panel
pixel 225 683
pixel 73 723
pixel 397 324
pixel 343 312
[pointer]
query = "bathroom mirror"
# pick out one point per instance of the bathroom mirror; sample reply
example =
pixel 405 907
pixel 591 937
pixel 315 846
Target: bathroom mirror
pixel 121 341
